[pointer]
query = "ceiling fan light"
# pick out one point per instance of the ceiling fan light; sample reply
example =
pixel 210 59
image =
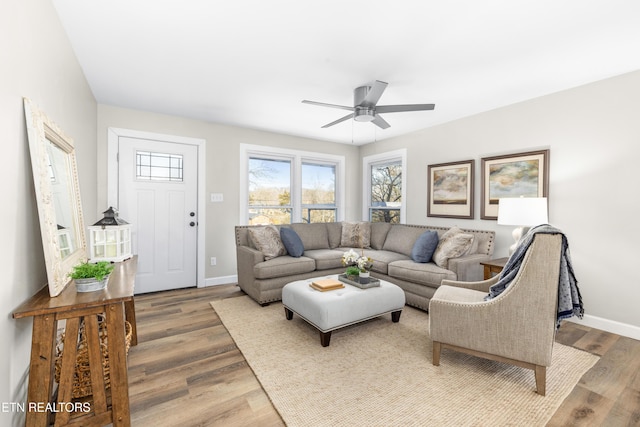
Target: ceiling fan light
pixel 364 114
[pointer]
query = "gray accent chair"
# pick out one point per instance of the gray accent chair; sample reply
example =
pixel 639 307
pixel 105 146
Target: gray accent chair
pixel 516 327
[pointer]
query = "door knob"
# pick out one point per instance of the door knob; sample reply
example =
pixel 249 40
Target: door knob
pixel 192 224
pixel 192 214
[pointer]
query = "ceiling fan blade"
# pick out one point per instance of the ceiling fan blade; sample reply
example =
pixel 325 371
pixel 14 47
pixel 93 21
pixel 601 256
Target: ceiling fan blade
pixel 374 93
pixel 322 104
pixel 401 108
pixel 342 119
pixel 380 122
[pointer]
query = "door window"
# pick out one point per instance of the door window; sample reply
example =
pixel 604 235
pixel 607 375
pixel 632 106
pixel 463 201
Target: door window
pixel 152 166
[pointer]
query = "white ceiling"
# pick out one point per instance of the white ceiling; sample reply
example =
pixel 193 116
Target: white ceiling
pixel 250 63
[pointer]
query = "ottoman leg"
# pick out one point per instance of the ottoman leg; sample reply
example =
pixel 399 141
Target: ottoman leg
pixel 325 337
pixel 288 313
pixel 395 316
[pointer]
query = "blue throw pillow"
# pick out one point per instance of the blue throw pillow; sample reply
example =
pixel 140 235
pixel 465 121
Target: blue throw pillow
pixel 292 242
pixel 425 246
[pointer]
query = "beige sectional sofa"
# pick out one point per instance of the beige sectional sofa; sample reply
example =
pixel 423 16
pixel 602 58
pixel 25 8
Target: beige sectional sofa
pixel 390 247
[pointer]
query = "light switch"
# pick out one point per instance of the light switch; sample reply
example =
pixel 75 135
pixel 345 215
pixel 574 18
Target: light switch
pixel 217 197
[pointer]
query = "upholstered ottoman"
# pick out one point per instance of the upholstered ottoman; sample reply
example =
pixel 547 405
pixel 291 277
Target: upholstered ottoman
pixel 331 310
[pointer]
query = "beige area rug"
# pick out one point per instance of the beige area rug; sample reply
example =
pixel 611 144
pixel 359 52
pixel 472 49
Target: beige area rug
pixel 379 373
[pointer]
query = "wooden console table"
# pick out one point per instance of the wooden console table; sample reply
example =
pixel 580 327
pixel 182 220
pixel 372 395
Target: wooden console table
pixel 116 303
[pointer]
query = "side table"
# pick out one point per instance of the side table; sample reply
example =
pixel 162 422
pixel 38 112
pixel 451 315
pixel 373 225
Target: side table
pixel 493 266
pixel 116 302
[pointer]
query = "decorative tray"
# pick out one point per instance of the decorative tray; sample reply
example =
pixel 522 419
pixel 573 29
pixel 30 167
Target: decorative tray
pixel 373 282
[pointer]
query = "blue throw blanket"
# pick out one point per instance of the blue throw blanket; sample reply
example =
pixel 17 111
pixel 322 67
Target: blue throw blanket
pixel 569 298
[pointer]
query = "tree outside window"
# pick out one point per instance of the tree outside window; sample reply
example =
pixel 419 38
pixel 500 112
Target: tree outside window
pixel 386 192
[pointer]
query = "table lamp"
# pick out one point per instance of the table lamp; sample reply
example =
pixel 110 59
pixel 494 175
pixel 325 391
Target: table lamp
pixel 524 212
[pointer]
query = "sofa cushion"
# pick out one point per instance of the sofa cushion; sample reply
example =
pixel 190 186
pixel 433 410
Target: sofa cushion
pixel 379 231
pixel 313 236
pixel 425 246
pixel 382 259
pixel 335 234
pixel 426 273
pixel 283 266
pixel 267 240
pixel 291 242
pixel 453 244
pixel 356 235
pixel 401 238
pixel 325 259
pixel 473 248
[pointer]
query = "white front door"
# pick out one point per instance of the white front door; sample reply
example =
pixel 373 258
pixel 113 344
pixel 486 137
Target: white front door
pixel 157 192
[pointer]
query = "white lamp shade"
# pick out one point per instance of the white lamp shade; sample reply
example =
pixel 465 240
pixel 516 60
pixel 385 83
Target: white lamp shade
pixel 522 211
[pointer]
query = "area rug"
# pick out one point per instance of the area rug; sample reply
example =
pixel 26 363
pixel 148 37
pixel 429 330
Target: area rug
pixel 380 373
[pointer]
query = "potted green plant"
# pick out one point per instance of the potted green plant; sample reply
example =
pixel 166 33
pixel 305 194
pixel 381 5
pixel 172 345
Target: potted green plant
pixel 352 272
pixel 91 276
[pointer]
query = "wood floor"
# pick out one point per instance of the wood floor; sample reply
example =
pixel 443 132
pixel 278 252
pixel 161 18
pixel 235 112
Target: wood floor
pixel 186 370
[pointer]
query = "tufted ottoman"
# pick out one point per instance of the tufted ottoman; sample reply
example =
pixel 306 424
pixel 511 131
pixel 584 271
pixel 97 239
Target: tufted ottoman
pixel 331 310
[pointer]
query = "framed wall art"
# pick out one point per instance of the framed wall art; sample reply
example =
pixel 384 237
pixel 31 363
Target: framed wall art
pixel 513 175
pixel 450 190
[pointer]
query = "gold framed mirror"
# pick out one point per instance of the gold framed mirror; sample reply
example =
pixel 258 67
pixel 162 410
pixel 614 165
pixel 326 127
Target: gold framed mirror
pixel 55 178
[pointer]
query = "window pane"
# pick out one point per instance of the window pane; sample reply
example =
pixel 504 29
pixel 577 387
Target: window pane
pixel 266 216
pixel 318 184
pixel 386 184
pixel 158 166
pixel 318 215
pixel 269 182
pixel 385 215
pixel 386 192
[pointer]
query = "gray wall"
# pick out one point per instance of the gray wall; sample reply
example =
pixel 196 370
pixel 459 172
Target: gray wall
pixel 38 63
pixel 593 132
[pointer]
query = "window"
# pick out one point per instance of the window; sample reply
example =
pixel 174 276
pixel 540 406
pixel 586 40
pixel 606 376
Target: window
pixel 385 195
pixel 269 191
pixel 158 166
pixel 318 192
pixel 284 186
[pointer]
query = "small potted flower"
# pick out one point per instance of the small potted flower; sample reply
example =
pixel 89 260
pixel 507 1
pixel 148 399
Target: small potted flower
pixel 357 266
pixel 91 277
pixel 364 264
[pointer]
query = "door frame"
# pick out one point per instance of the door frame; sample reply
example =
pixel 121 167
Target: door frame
pixel 113 136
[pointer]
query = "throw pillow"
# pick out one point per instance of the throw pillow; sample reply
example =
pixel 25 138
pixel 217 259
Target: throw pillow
pixel 292 242
pixel 425 246
pixel 452 244
pixel 356 235
pixel 267 240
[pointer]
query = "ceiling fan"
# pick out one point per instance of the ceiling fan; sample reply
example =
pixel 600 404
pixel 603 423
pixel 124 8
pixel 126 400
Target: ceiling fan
pixel 365 109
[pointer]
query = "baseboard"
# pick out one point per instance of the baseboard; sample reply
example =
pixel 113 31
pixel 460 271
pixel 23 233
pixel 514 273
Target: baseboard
pixel 612 326
pixel 222 280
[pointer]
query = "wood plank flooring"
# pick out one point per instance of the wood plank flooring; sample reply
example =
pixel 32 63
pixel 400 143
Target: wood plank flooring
pixel 186 370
